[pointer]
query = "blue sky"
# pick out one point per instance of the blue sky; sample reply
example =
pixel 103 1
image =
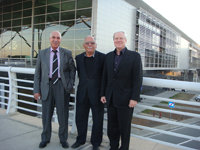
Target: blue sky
pixel 184 14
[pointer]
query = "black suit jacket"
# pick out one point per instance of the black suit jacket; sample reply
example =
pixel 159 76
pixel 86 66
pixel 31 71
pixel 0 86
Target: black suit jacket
pixel 126 83
pixel 90 82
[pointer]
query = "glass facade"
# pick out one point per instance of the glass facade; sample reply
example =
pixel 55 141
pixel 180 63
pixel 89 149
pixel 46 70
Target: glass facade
pixel 25 27
pixel 157 43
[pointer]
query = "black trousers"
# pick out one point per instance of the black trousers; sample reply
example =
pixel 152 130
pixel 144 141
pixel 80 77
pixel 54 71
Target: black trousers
pixel 82 113
pixel 119 126
pixel 58 97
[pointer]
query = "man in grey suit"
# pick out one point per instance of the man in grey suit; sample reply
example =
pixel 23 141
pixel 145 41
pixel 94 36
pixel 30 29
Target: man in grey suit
pixel 53 83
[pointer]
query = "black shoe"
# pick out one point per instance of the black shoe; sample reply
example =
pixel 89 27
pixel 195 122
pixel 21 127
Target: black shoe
pixel 43 144
pixel 65 144
pixel 76 145
pixel 96 148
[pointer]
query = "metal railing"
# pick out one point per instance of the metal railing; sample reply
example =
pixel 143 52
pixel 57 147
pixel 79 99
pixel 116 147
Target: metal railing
pixel 12 87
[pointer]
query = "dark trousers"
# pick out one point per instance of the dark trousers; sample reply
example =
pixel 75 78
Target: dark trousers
pixel 82 112
pixel 58 97
pixel 119 125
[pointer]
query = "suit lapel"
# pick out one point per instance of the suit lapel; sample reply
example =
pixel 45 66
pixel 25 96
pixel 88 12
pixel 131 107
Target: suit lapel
pixel 61 58
pixel 112 63
pixel 82 63
pixel 124 59
pixel 48 57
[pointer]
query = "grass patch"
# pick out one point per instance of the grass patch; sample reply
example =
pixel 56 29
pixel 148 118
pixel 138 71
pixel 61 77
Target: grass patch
pixel 183 96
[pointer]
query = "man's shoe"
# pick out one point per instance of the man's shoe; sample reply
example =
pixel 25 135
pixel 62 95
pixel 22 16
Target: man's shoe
pixel 76 145
pixel 96 148
pixel 65 144
pixel 43 144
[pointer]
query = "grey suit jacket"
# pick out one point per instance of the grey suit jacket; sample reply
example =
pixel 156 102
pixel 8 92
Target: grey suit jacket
pixel 67 71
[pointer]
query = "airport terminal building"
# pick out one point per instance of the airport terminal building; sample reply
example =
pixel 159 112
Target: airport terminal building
pixel 25 27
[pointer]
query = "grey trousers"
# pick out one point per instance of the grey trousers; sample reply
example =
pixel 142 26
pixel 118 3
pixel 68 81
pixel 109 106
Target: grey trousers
pixel 59 98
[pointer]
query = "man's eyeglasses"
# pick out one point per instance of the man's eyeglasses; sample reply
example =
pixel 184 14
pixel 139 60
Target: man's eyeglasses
pixel 87 43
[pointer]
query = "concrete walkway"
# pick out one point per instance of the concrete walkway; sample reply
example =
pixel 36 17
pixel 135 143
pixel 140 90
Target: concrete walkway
pixel 22 132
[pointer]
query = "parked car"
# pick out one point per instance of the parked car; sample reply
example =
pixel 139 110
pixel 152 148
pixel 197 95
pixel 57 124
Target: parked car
pixel 197 98
pixel 183 90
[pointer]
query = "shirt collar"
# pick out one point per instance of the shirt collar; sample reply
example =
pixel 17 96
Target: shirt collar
pixel 58 50
pixel 122 51
pixel 90 56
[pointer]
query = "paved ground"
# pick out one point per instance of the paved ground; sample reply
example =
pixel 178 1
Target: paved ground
pixel 22 132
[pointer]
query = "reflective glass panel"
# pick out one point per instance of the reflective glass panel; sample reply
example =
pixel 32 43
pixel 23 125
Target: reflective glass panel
pixel 26 21
pixel 53 8
pixel 53 17
pixel 68 34
pixel 68 6
pixel 17 6
pixel 17 14
pixel 7 9
pixel 68 15
pixel 40 10
pixel 7 16
pixel 27 4
pixel 79 44
pixel 16 22
pixel 68 44
pixel 84 3
pixel 39 19
pixel 83 13
pixel 7 2
pixel 40 3
pixel 39 27
pixel 52 1
pixel 67 25
pixel 7 24
pixel 27 13
pixel 81 34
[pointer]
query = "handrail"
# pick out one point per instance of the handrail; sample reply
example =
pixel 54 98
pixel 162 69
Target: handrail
pixel 13 99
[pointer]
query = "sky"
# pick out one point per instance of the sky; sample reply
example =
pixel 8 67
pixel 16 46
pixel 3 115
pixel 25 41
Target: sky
pixel 184 14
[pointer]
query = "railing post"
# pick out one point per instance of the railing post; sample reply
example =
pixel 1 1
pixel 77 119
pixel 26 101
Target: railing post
pixel 73 130
pixel 12 90
pixel 2 93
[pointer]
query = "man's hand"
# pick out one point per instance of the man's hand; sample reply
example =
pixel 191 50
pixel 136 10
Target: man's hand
pixel 103 99
pixel 132 103
pixel 37 96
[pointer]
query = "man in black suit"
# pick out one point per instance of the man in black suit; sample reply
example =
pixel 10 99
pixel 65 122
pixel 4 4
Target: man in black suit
pixel 90 68
pixel 121 84
pixel 53 83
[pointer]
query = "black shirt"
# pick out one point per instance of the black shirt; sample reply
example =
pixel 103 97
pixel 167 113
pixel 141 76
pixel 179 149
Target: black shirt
pixel 118 58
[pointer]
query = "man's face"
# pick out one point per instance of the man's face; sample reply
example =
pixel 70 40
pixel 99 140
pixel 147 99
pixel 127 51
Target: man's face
pixel 89 45
pixel 55 40
pixel 119 41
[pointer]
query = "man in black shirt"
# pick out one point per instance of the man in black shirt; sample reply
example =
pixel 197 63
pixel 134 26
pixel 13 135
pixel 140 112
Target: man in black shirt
pixel 89 68
pixel 120 89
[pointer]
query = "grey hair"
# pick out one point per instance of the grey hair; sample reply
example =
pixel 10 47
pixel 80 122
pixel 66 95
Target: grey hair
pixel 91 37
pixel 56 31
pixel 118 32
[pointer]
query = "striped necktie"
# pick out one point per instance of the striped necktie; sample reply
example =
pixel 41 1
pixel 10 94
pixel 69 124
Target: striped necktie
pixel 55 68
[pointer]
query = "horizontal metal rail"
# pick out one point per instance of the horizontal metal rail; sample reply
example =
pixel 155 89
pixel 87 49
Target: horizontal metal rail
pixel 166 132
pixel 21 80
pixel 166 121
pixel 4 97
pixel 170 111
pixel 170 100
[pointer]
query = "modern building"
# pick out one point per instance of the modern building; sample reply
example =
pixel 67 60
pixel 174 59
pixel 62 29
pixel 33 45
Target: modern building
pixel 25 26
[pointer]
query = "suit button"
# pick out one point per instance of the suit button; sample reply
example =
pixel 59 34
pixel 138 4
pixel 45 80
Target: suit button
pixel 113 78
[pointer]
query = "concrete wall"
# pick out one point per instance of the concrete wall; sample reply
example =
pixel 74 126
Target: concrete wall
pixel 111 16
pixel 184 55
